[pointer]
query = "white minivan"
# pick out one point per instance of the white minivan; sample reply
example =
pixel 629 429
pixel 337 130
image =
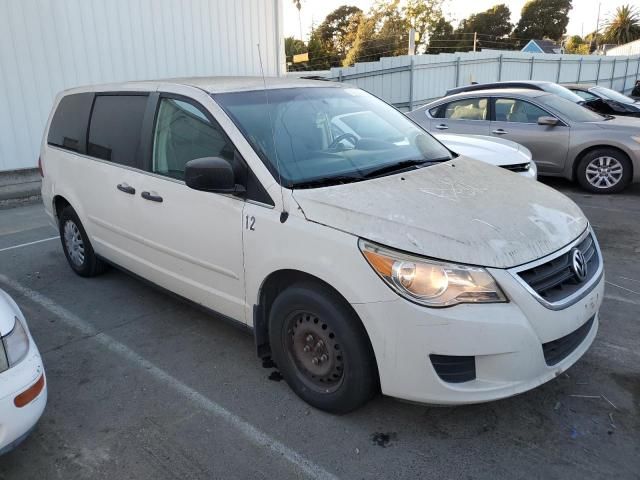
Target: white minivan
pixel 361 264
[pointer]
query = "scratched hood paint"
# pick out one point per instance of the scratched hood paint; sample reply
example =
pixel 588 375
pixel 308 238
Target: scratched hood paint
pixel 463 211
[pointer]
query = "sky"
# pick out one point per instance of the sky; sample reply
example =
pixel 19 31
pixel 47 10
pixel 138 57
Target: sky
pixel 581 18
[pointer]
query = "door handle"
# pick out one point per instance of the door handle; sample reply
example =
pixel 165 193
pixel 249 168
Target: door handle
pixel 499 131
pixel 150 197
pixel 442 126
pixel 123 187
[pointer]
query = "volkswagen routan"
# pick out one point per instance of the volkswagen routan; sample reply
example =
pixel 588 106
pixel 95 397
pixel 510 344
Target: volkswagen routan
pixel 361 264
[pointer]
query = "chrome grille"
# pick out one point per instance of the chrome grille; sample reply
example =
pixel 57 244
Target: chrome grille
pixel 553 279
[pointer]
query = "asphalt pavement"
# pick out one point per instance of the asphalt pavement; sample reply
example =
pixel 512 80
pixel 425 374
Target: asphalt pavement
pixel 145 386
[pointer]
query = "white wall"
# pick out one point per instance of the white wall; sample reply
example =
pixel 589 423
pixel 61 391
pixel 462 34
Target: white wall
pixel 632 48
pixel 410 81
pixel 50 45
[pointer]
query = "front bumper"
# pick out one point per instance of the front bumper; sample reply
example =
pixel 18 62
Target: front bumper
pixel 16 423
pixel 505 339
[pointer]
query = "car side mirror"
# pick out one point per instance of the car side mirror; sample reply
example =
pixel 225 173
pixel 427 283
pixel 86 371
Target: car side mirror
pixel 211 174
pixel 548 121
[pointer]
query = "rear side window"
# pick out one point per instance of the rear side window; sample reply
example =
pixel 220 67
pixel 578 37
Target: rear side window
pixel 68 127
pixel 115 128
pixel 467 109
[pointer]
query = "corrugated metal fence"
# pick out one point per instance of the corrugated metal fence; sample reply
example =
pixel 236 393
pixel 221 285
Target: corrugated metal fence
pixel 50 45
pixel 411 81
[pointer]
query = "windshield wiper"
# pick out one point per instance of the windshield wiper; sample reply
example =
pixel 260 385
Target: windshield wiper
pixel 403 165
pixel 326 181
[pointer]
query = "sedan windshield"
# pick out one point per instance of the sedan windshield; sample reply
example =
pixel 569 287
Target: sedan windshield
pixel 612 95
pixel 315 136
pixel 569 110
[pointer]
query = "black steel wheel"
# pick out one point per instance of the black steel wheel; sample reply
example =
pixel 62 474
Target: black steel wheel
pixel 322 348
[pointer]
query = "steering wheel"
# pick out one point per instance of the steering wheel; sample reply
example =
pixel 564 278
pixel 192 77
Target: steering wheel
pixel 345 136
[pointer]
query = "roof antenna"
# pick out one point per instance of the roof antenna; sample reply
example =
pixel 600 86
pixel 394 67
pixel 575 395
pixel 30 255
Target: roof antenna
pixel 284 214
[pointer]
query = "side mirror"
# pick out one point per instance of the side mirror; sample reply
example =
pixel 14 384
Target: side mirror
pixel 211 174
pixel 548 121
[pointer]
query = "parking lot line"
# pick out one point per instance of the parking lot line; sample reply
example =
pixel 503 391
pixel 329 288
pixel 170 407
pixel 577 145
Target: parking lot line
pixel 252 433
pixel 28 243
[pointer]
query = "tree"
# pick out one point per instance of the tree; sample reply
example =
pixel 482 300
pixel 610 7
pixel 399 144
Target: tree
pixel 493 26
pixel 576 45
pixel 423 15
pixel 293 46
pixel 441 36
pixel 623 26
pixel 543 19
pixel 381 32
pixel 339 28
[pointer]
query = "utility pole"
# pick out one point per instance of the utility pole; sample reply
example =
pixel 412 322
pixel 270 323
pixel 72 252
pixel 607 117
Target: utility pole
pixel 412 41
pixel 475 41
pixel 598 25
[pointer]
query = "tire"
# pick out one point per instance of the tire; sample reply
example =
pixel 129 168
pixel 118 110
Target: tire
pixel 605 170
pixel 76 245
pixel 310 315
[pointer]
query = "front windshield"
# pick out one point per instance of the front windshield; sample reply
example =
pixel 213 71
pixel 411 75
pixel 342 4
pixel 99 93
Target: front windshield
pixel 564 92
pixel 569 110
pixel 612 95
pixel 327 134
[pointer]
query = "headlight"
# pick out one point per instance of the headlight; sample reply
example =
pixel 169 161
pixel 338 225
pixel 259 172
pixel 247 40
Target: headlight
pixel 16 346
pixel 429 282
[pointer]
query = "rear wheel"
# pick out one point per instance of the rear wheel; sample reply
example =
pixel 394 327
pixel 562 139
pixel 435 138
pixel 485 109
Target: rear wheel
pixel 76 245
pixel 322 349
pixel 604 170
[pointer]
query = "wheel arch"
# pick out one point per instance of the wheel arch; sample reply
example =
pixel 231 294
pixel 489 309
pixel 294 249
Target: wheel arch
pixel 271 286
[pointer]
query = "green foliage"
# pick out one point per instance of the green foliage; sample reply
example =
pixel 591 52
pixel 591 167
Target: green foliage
pixel 576 45
pixel 441 34
pixel 338 30
pixel 293 46
pixel 425 16
pixel 623 26
pixel 543 19
pixel 493 25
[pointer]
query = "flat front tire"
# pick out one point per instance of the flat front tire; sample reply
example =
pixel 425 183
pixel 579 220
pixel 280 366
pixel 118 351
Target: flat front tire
pixel 322 349
pixel 605 170
pixel 76 245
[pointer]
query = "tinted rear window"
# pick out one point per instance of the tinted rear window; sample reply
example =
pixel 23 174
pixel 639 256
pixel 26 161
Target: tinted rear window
pixel 114 131
pixel 69 123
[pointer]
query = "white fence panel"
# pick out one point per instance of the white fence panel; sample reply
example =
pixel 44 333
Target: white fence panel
pixel 409 81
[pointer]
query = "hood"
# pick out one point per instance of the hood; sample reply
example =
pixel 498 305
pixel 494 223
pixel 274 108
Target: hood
pixel 7 313
pixel 496 152
pixel 462 211
pixel 630 123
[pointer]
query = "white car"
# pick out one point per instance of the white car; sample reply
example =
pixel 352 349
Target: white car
pixel 361 261
pixel 23 389
pixel 495 151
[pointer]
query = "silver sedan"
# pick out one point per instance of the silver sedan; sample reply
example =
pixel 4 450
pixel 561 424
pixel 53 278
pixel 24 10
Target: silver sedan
pixel 601 153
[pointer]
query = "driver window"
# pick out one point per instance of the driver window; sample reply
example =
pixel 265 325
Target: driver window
pixel 518 111
pixel 467 109
pixel 183 133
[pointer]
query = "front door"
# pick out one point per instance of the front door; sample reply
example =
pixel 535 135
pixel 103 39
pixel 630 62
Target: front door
pixel 193 239
pixel 517 120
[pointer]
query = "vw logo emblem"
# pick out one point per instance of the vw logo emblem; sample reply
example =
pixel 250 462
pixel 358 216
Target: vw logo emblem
pixel 578 265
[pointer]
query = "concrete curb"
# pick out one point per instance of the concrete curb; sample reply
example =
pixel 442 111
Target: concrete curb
pixel 19 184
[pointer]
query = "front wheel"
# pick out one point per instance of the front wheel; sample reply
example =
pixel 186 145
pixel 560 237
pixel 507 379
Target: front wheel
pixel 604 170
pixel 322 349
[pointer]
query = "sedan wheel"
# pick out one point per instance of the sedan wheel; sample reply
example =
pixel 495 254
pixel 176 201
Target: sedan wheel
pixel 604 172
